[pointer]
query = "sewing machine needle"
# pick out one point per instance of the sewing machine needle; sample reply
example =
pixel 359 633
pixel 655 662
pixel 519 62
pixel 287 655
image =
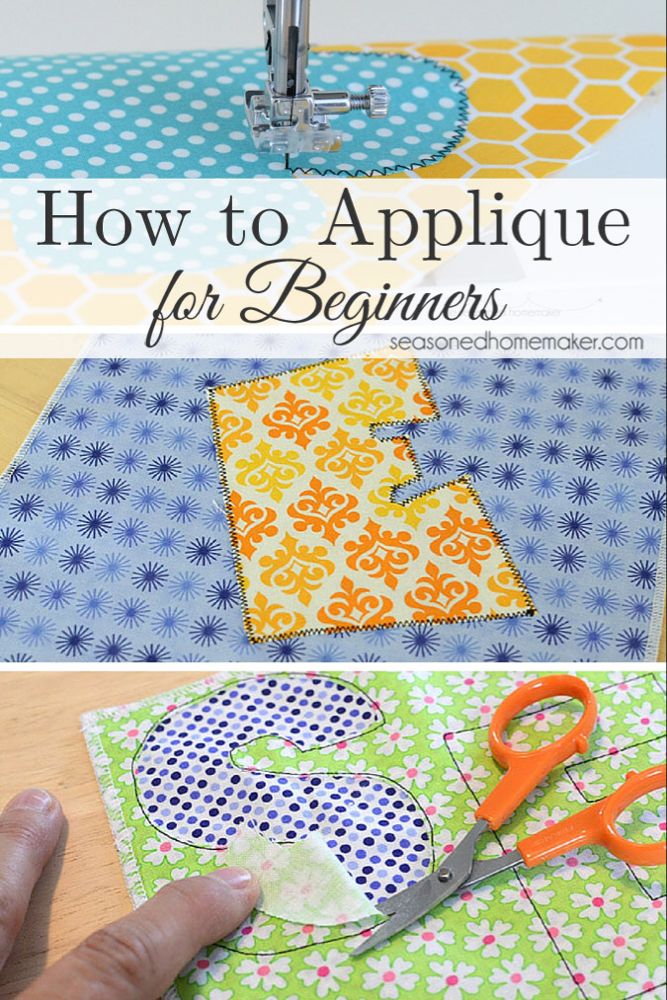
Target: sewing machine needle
pixel 286 161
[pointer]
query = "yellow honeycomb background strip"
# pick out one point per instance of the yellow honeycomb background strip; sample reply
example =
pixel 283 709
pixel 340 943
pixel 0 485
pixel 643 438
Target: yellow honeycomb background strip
pixel 536 103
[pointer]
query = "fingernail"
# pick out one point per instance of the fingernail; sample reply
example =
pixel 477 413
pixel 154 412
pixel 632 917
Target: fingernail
pixel 35 799
pixel 235 878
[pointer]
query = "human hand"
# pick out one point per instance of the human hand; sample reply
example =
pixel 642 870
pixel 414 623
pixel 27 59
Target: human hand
pixel 135 958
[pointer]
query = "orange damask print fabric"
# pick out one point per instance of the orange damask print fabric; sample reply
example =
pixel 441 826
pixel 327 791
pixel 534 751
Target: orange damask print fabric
pixel 322 545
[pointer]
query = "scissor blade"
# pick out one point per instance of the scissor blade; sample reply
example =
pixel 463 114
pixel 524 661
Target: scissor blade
pixel 413 904
pixel 481 870
pixel 407 906
pixel 381 934
pixel 392 904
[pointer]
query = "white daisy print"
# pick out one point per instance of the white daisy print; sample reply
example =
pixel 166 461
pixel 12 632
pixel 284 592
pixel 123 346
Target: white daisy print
pixel 265 972
pixel 156 852
pixel 384 699
pixel 654 822
pixel 624 690
pixel 163 707
pixel 489 939
pixel 301 935
pixel 285 747
pixel 437 807
pixel 175 875
pixel 616 751
pixel 430 937
pixel 467 683
pixel 445 841
pixel 345 749
pixel 251 763
pixel 650 909
pixel 543 816
pixel 582 976
pixel 326 972
pixel 447 731
pixel 474 901
pixel 641 979
pixel 360 768
pixel 596 901
pixel 621 943
pixel 618 870
pixel 545 720
pixel 579 864
pixel 208 968
pixel 583 784
pixel 258 929
pixel 411 676
pixel 453 980
pixel 303 767
pixel 520 896
pixel 130 734
pixel 510 682
pixel 362 677
pixel 480 709
pixel 430 699
pixel 516 979
pixel 126 776
pixel 389 977
pixel 646 719
pixel 468 776
pixel 208 857
pixel 215 994
pixel 394 736
pixel 557 929
pixel 519 740
pixel 413 771
pixel 606 720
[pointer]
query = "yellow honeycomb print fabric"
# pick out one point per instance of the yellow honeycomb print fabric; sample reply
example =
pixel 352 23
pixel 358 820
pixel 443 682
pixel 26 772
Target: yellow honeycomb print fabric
pixel 322 545
pixel 536 103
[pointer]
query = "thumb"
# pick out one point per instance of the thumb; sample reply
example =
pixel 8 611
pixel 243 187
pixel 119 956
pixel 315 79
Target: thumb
pixel 138 957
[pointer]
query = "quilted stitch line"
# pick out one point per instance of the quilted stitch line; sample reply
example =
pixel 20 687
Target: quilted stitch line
pixel 521 878
pixel 324 773
pixel 457 86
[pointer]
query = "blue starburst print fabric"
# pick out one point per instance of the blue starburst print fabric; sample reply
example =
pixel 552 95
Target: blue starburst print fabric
pixel 114 544
pixel 170 114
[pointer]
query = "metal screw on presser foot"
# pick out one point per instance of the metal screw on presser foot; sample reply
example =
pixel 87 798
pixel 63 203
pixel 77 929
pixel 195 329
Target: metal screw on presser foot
pixel 289 116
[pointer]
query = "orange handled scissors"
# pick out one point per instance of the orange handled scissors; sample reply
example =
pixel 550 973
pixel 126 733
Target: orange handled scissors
pixel 524 771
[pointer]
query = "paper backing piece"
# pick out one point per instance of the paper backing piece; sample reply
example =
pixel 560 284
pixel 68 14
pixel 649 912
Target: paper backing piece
pixel 303 882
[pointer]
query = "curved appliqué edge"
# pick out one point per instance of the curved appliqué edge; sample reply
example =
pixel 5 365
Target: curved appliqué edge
pixel 457 87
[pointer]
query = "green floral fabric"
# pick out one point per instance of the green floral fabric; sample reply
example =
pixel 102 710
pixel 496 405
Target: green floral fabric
pixel 585 926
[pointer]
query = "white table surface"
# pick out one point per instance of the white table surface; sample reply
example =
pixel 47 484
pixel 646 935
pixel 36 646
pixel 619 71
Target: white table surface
pixel 130 25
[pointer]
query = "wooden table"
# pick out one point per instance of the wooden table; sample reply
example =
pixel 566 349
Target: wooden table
pixel 25 388
pixel 41 745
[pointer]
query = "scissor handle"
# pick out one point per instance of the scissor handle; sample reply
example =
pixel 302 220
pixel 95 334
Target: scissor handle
pixel 526 769
pixel 597 825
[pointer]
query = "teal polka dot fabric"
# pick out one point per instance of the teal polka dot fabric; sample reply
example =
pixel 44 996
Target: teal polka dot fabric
pixel 183 115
